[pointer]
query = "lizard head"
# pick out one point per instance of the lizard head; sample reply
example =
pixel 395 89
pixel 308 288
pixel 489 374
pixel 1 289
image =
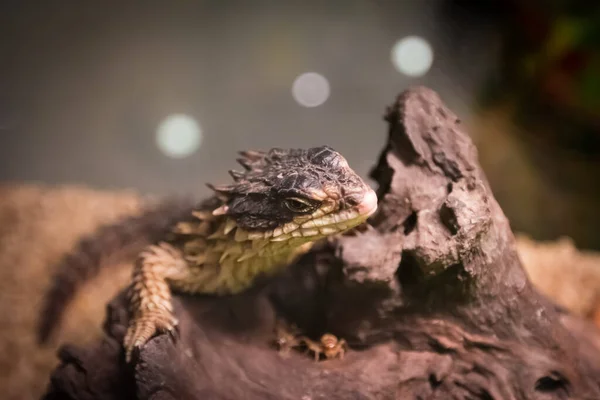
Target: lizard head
pixel 296 194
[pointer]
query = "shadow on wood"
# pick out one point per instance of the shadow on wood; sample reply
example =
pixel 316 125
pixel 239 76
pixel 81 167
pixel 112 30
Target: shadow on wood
pixel 431 297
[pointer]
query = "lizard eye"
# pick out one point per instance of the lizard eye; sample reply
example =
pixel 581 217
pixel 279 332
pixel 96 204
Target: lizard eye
pixel 298 205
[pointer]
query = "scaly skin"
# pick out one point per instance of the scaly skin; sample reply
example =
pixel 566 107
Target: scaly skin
pixel 282 203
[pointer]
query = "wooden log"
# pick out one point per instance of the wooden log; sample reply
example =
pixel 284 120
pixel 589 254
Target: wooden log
pixel 430 296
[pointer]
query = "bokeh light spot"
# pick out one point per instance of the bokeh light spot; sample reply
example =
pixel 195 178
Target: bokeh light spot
pixel 412 56
pixel 310 89
pixel 178 136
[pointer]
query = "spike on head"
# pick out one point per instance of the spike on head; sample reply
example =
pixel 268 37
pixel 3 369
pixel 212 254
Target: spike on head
pixel 251 159
pixel 244 163
pixel 236 175
pixel 223 189
pixel 223 192
pixel 252 155
pixel 221 210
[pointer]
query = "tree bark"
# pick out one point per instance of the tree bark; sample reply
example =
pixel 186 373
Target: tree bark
pixel 430 296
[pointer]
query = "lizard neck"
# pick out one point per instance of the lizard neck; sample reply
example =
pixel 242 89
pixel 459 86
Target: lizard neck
pixel 225 259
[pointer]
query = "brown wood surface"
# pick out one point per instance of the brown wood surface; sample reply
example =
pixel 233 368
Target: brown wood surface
pixel 431 297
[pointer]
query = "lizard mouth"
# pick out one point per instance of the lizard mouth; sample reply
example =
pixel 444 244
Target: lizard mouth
pixel 337 222
pixel 323 222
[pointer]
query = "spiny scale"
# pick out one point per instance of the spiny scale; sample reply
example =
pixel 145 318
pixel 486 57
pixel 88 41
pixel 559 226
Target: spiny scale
pixel 251 159
pixel 231 250
pixel 229 226
pixel 246 256
pixel 221 210
pixel 245 163
pixel 221 189
pixel 252 155
pixel 236 175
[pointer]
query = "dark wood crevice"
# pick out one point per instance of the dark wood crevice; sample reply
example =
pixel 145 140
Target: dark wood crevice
pixel 432 298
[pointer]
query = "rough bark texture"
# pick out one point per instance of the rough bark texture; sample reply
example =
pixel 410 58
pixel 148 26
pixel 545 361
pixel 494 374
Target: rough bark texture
pixel 431 297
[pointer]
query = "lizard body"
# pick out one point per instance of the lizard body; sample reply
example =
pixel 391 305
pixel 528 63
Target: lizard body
pixel 282 203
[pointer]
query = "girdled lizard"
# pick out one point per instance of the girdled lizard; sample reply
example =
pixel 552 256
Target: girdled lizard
pixel 274 210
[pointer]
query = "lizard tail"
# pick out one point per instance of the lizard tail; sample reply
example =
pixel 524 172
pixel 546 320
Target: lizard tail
pixel 117 242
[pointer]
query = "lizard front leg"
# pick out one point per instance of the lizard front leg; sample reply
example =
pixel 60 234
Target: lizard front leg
pixel 150 301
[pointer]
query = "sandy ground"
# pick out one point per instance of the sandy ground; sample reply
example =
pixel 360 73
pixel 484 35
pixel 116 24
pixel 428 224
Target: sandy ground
pixel 565 274
pixel 38 224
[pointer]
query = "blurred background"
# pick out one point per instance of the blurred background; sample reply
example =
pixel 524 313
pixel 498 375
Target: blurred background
pixel 158 96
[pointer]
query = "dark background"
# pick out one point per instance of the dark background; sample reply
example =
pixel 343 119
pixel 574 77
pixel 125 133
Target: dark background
pixel 84 86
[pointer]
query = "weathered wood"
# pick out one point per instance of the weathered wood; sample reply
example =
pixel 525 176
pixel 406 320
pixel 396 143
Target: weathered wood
pixel 431 297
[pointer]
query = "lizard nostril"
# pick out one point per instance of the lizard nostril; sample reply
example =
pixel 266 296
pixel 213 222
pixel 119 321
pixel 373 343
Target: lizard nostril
pixel 352 199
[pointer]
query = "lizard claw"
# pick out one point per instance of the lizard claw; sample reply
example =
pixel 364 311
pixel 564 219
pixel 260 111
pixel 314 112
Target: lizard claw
pixel 143 327
pixel 174 332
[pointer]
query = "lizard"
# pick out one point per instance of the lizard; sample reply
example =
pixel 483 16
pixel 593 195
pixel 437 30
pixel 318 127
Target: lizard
pixel 283 202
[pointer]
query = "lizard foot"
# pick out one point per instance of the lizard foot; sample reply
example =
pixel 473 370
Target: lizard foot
pixel 145 326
